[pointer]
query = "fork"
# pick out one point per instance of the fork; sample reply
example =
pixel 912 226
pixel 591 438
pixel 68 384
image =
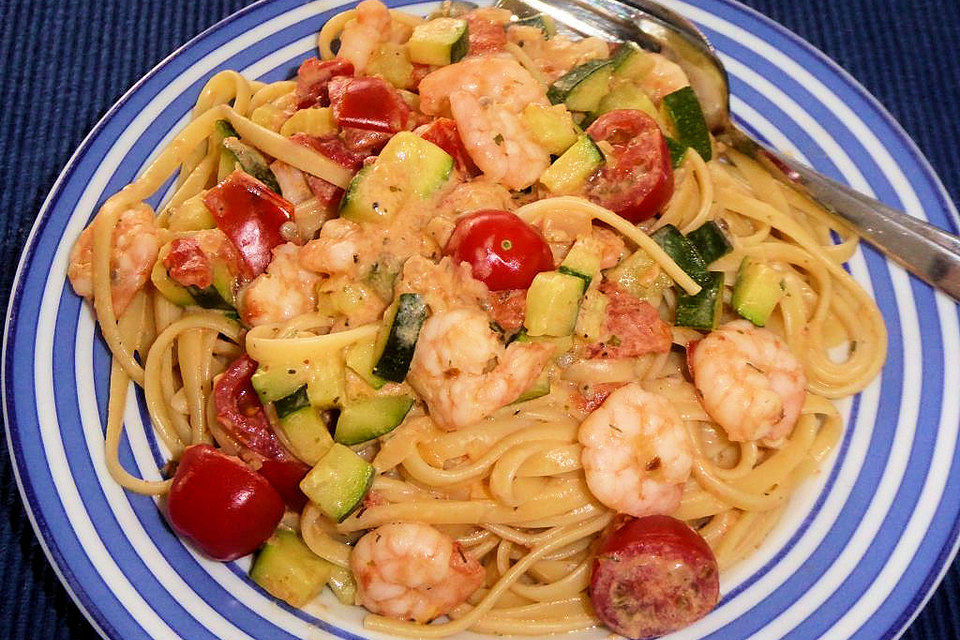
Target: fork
pixel 928 252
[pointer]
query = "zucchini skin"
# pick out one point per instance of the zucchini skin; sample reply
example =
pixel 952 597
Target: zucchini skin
pixel 683 252
pixel 394 361
pixel 710 241
pixel 703 310
pixel 293 402
pixel 684 110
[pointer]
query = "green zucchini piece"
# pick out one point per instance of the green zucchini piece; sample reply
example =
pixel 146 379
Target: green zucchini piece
pixel 368 418
pixel 583 87
pixel 175 293
pixel 683 252
pixel 541 21
pixel 293 402
pixel 539 388
pixel 570 171
pixel 191 215
pixel 274 383
pixel 553 302
pixel 343 585
pixel 288 570
pixel 326 384
pixel 710 241
pixel 391 62
pixel 408 168
pixel 593 316
pixel 439 42
pixel 583 259
pixel 228 162
pixel 631 63
pixel 551 127
pixel 757 291
pixel 398 337
pixel 561 344
pixel 677 151
pixel 682 111
pixel 338 483
pixel 306 432
pixel 640 275
pixel 360 358
pixel 626 96
pixel 702 311
pixel 252 162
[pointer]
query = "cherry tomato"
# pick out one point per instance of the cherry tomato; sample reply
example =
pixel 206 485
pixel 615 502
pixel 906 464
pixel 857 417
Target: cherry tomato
pixel 313 76
pixel 651 576
pixel 250 215
pixel 241 418
pixel 503 251
pixel 220 505
pixel 638 183
pixel 369 103
pixel 443 133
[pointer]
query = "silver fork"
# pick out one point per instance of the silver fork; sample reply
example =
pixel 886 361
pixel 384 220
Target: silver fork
pixel 928 252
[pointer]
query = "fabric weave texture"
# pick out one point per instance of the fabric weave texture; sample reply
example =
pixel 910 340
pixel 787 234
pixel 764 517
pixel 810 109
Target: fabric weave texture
pixel 64 62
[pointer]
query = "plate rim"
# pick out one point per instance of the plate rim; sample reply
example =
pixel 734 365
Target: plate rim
pixel 75 588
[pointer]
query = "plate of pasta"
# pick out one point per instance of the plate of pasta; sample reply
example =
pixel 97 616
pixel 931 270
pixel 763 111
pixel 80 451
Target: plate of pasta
pixel 429 320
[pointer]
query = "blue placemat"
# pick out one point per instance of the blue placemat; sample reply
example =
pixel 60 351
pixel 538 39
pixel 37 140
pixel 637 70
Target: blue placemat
pixel 64 62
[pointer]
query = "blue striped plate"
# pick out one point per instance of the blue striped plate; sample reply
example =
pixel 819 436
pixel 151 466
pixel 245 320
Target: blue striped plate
pixel 862 545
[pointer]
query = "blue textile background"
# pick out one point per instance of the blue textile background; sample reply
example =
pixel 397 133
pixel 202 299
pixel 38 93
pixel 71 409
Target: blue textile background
pixel 64 62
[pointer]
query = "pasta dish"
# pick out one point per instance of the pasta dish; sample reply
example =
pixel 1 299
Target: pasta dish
pixel 476 325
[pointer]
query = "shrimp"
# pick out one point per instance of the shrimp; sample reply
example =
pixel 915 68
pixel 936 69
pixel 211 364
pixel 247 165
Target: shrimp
pixel 749 382
pixel 412 571
pixel 136 241
pixel 286 290
pixel 636 454
pixel 664 78
pixel 463 373
pixel 443 286
pixel 485 95
pixel 362 36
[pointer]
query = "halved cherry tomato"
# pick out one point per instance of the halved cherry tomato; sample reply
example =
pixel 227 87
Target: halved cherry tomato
pixel 222 506
pixel 241 417
pixel 250 215
pixel 638 182
pixel 651 576
pixel 503 251
pixel 369 103
pixel 313 76
pixel 443 133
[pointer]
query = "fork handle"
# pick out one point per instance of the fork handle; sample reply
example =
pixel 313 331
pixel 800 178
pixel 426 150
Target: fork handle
pixel 928 252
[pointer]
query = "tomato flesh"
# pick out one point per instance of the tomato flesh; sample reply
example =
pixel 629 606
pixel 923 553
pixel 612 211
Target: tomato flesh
pixel 242 418
pixel 443 133
pixel 313 78
pixel 220 505
pixel 652 576
pixel 370 103
pixel 503 251
pixel 250 215
pixel 638 181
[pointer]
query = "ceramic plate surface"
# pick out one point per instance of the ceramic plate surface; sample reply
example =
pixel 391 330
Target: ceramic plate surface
pixel 860 550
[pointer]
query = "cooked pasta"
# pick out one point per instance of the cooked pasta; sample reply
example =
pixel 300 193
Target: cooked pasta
pixel 518 329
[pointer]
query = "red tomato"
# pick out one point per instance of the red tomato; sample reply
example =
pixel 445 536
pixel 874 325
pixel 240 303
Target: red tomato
pixel 443 133
pixel 635 323
pixel 242 418
pixel 639 181
pixel 329 194
pixel 503 251
pixel 368 103
pixel 313 76
pixel 484 36
pixel 652 576
pixel 250 215
pixel 220 505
